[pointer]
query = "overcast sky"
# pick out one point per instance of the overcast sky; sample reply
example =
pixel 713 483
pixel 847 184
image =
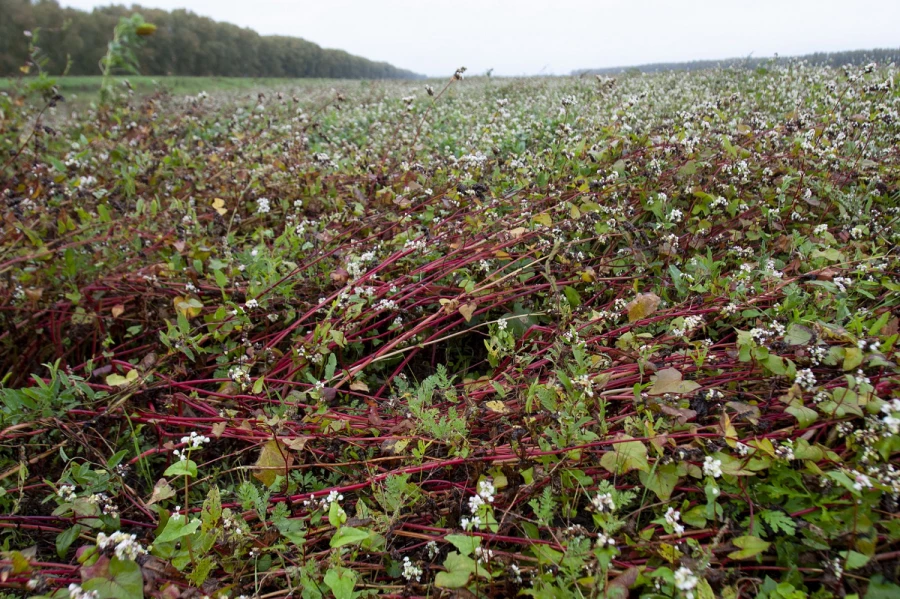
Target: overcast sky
pixel 526 37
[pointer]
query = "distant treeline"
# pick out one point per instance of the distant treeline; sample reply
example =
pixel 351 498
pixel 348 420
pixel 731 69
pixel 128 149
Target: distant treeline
pixel 832 59
pixel 184 44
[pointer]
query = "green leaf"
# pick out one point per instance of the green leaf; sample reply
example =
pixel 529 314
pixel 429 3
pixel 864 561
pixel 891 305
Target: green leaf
pixel 176 528
pixel 348 535
pixel 798 335
pixel 221 279
pixel 258 385
pixel 65 539
pixel 749 547
pixel 338 337
pixel 853 357
pixel 733 466
pixel 465 543
pixel 854 560
pixel 117 380
pixel 293 530
pixel 459 569
pixel 779 521
pixel 776 365
pixel 572 296
pixel 201 571
pixel 695 517
pixel 625 457
pixel 330 367
pixel 805 416
pixel 881 589
pixel 829 254
pixel 876 327
pixel 182 468
pixel 116 458
pixel 341 582
pixel 844 480
pixel 212 509
pixel 804 451
pixel 336 515
pixel 661 480
pixel 704 591
pixel 124 582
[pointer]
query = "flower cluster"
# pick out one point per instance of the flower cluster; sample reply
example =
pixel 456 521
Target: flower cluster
pixel 712 467
pixel 125 546
pixel 240 376
pixel 66 492
pixel 193 441
pixel 806 379
pixel 604 502
pixel 76 592
pixel 410 570
pixel 672 518
pixel 686 582
pixel 484 497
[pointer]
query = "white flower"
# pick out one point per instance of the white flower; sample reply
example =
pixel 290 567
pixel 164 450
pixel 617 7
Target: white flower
pixel 486 490
pixel 411 570
pixel 483 555
pixel 240 376
pixel 891 422
pixel 126 545
pixel 672 517
pixel 785 451
pixel 516 573
pixel 262 206
pixel 686 581
pixel 251 304
pixel 806 379
pixel 712 467
pixel 66 492
pixel 195 441
pixel 603 540
pixel 604 502
pixel 862 482
pixel 842 283
pixel 432 549
pixel 76 592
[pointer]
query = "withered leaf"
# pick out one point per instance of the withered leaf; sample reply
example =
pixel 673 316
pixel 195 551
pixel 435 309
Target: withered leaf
pixel 642 306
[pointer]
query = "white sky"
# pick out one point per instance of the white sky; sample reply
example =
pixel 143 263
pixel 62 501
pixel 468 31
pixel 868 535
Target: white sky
pixel 526 37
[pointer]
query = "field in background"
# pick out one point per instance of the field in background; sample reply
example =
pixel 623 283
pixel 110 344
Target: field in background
pixel 562 337
pixel 88 87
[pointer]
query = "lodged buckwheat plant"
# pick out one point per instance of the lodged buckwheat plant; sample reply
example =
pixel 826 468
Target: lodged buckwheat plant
pixel 561 337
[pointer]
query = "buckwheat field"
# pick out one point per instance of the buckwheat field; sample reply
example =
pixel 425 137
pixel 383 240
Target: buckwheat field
pixel 480 337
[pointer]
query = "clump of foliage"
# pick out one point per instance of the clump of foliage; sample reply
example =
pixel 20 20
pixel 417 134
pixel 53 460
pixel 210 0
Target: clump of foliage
pixel 551 338
pixel 120 54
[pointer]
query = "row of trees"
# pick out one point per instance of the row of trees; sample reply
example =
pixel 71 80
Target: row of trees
pixel 832 59
pixel 184 44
